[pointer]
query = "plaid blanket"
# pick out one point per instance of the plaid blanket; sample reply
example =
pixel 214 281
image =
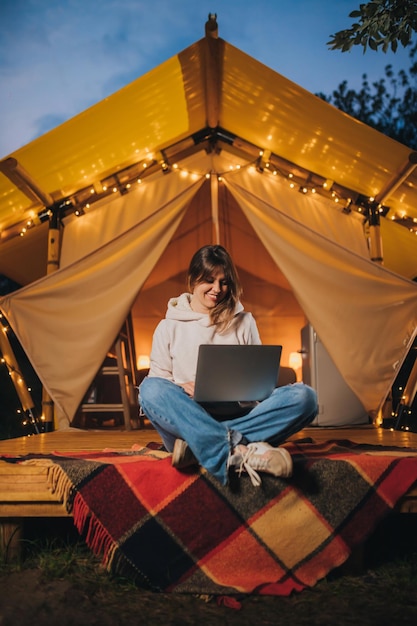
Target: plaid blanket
pixel 185 532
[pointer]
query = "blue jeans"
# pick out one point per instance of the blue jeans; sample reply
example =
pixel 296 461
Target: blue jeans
pixel 177 416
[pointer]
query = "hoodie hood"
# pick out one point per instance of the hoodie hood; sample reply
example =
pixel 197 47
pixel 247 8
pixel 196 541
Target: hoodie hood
pixel 179 309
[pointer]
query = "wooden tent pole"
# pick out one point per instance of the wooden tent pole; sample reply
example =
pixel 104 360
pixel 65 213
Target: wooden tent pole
pixel 375 238
pixel 53 242
pixel 52 266
pixel 214 188
pixel 17 174
pixel 16 376
pixel 398 178
pixel 213 71
pixel 213 82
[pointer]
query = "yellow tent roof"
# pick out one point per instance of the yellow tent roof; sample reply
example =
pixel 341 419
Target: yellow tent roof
pixel 210 91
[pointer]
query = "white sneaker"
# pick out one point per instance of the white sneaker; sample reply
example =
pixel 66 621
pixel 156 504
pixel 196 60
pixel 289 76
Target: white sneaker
pixel 182 456
pixel 262 457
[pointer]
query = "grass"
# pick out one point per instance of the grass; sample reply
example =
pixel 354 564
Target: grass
pixel 68 581
pixel 54 549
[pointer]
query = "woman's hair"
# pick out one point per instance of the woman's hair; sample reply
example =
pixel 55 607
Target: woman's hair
pixel 205 262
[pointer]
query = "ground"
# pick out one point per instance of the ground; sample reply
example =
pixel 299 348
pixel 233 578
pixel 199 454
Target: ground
pixel 27 598
pixel 65 585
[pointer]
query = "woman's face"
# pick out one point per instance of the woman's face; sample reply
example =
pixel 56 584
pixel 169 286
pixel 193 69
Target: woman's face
pixel 210 292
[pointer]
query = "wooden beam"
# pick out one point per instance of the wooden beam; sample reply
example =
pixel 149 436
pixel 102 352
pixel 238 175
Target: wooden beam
pixel 213 72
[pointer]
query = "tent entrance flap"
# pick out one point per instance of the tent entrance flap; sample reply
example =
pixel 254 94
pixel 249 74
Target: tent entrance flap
pixel 365 315
pixel 79 309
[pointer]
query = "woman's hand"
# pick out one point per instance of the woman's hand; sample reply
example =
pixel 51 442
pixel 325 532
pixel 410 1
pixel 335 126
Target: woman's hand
pixel 188 388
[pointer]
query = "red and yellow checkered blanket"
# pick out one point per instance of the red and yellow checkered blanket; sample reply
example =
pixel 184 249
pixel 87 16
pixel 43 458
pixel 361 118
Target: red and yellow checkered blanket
pixel 183 531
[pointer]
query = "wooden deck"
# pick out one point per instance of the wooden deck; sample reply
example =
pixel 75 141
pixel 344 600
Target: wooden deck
pixel 24 492
pixel 23 488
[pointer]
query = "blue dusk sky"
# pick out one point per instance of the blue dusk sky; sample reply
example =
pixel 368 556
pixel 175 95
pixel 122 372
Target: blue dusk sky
pixel 59 57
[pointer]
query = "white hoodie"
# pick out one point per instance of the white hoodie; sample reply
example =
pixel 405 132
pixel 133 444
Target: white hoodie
pixel 177 338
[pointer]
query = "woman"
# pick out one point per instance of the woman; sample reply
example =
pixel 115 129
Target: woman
pixel 211 313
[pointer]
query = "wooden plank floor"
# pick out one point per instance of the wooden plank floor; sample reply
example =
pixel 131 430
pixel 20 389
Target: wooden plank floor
pixel 74 439
pixel 24 491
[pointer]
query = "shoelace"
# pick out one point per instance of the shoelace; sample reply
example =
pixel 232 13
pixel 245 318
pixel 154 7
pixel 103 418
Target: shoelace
pixel 244 465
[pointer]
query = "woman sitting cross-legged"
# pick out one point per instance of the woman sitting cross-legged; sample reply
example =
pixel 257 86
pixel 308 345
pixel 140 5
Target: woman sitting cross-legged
pixel 211 313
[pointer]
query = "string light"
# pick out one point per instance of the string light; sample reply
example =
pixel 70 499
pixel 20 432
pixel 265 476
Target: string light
pixel 29 224
pixel 263 161
pixel 18 380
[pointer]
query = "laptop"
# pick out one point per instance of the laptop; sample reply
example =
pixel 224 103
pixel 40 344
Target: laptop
pixel 231 379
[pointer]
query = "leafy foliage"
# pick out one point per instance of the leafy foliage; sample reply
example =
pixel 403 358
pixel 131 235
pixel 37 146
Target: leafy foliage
pixel 389 104
pixel 382 24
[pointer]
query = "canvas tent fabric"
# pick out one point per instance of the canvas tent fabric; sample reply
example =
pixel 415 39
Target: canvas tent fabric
pixel 294 251
pixel 353 302
pixel 78 311
pixel 169 105
pixel 374 308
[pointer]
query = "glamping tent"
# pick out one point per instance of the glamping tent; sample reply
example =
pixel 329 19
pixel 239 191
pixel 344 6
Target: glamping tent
pixel 100 216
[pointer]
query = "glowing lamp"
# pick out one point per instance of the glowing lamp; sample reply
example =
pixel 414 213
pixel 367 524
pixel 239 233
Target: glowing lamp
pixel 295 360
pixel 143 361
